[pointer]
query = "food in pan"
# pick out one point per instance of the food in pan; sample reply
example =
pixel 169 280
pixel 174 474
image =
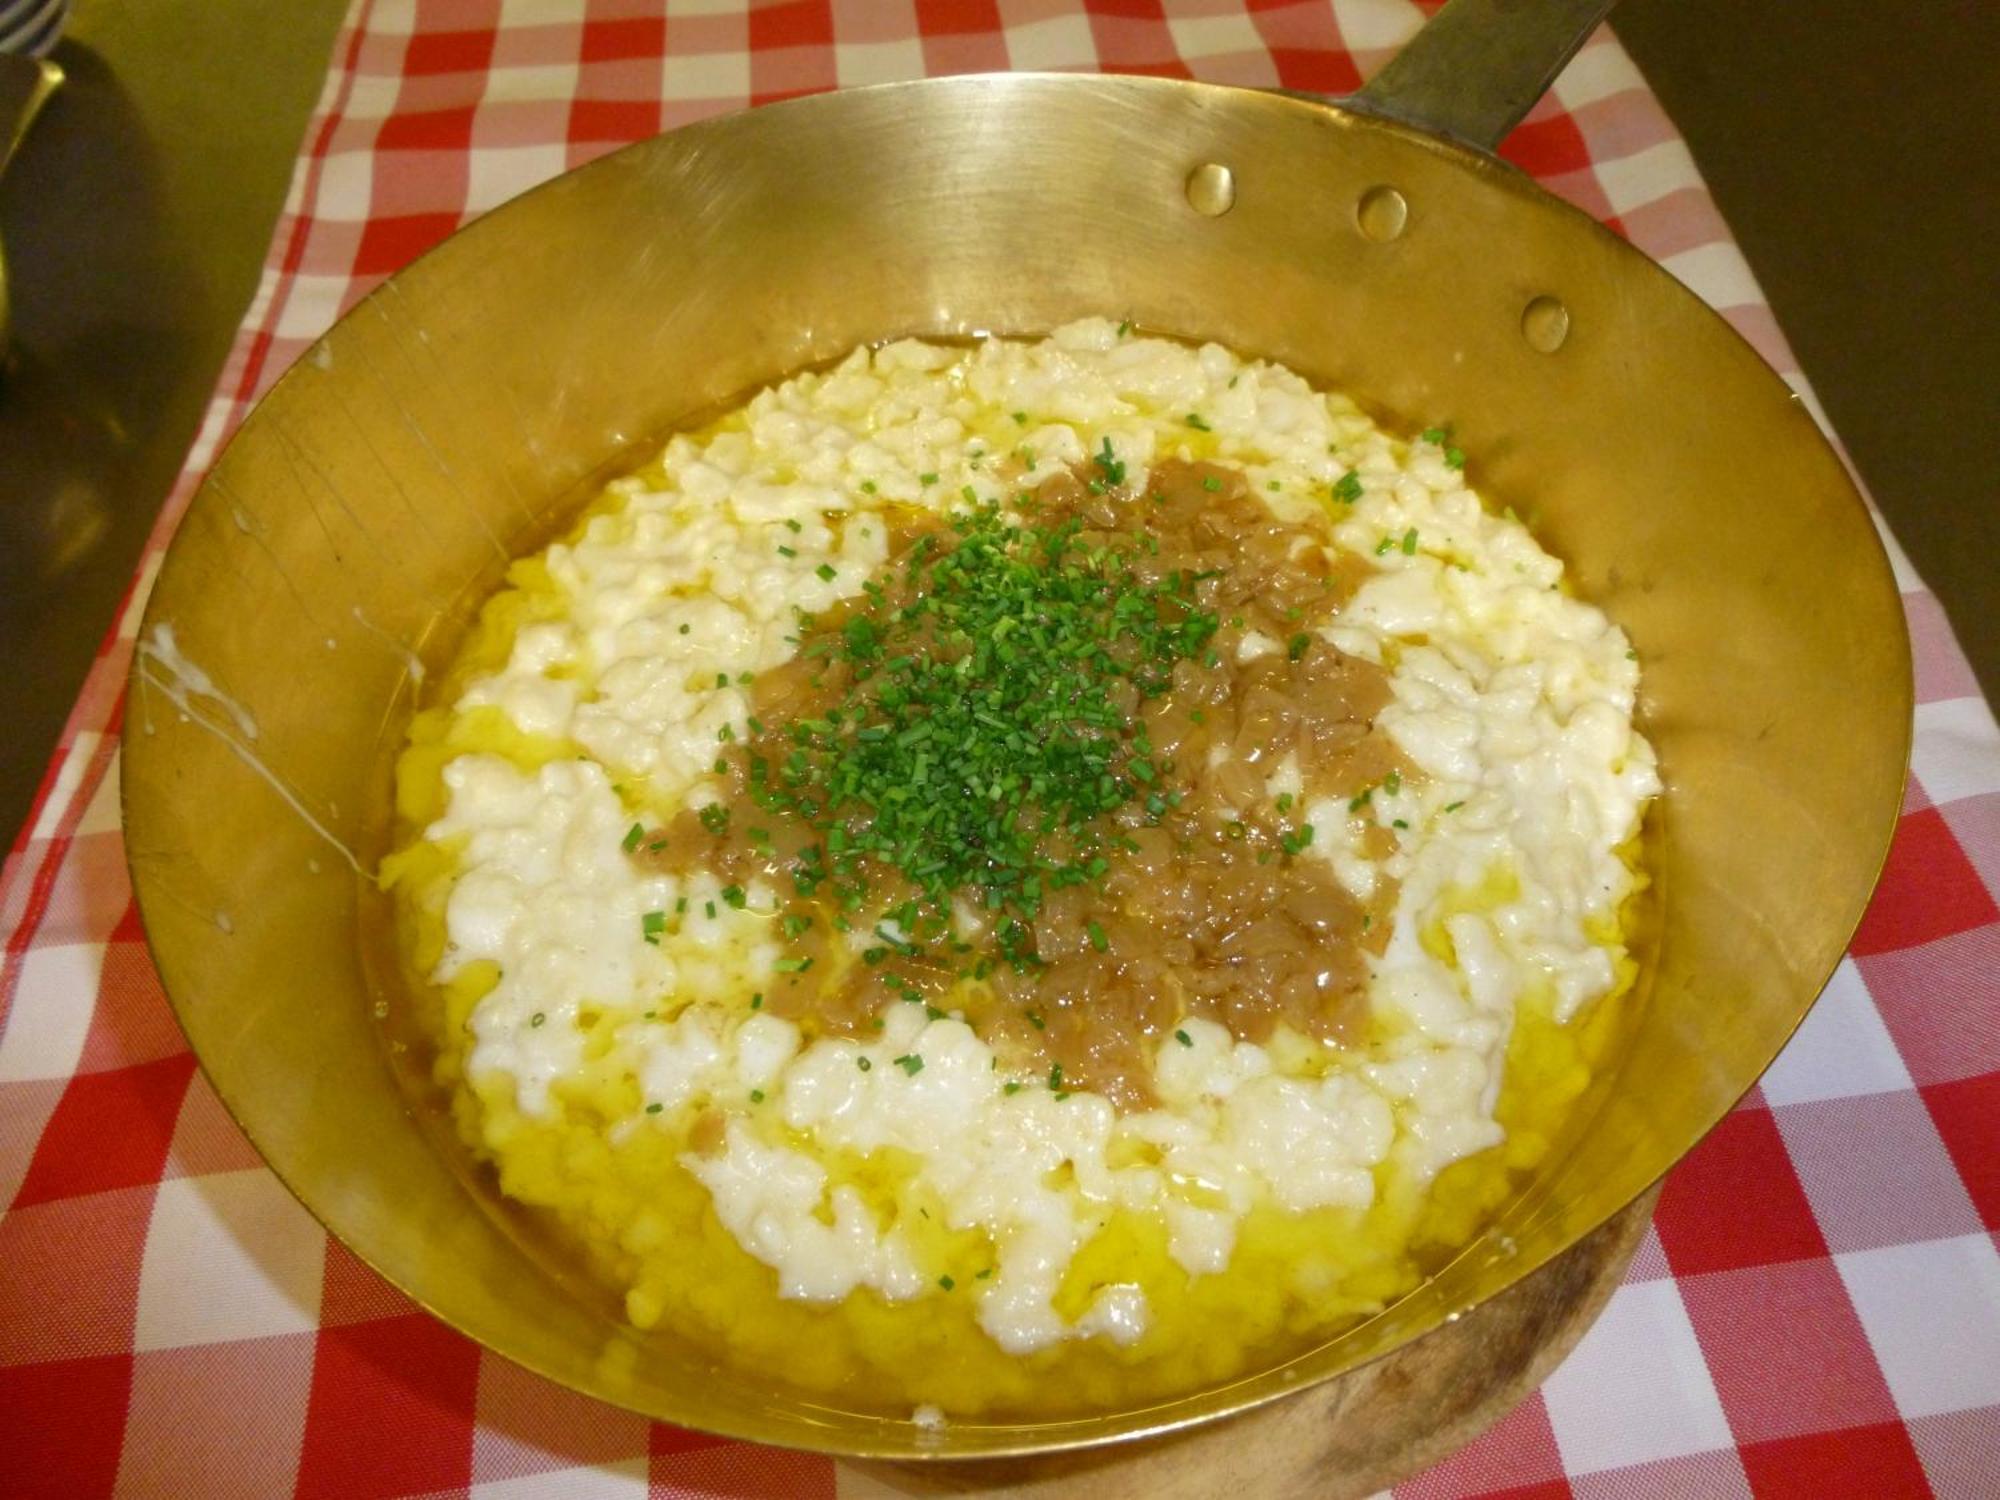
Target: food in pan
pixel 1024 876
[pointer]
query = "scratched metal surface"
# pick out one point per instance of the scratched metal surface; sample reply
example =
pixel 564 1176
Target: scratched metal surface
pixel 436 429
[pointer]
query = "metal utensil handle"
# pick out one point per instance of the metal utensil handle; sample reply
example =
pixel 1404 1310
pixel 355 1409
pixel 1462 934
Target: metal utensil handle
pixel 1479 66
pixel 25 86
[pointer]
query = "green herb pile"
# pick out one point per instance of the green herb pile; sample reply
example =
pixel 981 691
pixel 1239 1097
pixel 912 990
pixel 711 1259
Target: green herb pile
pixel 981 748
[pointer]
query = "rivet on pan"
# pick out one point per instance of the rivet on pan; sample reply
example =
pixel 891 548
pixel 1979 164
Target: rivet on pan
pixel 1382 214
pixel 1211 189
pixel 1545 324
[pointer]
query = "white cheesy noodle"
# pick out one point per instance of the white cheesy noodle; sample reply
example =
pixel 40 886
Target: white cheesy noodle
pixel 743 1173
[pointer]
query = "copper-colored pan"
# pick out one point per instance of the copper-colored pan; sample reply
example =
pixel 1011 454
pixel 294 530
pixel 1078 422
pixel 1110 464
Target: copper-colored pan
pixel 443 423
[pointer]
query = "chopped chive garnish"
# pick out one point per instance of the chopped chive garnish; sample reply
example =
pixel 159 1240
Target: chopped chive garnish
pixel 982 721
pixel 1109 464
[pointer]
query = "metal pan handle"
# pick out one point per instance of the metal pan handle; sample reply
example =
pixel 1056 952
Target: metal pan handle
pixel 1479 66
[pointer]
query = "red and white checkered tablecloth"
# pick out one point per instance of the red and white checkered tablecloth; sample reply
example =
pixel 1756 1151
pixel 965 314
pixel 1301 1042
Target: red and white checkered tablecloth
pixel 1815 1311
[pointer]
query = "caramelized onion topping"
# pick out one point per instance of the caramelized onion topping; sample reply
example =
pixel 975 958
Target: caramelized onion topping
pixel 1187 889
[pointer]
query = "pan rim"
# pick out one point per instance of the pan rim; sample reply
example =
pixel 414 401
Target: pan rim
pixel 1156 1419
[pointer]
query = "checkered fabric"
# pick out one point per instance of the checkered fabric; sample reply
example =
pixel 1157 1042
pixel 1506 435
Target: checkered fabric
pixel 1815 1311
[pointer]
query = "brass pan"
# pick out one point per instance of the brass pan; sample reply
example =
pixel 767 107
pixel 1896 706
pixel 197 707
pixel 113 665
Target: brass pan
pixel 447 421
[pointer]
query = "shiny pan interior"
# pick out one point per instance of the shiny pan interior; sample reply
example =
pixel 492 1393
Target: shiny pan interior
pixel 447 422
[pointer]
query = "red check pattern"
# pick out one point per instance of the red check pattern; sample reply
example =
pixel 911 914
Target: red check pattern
pixel 1817 1309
